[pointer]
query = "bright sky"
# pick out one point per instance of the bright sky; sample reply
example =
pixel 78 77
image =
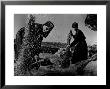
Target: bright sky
pixel 62 27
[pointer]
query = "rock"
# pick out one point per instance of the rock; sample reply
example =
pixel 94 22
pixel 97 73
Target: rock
pixel 91 69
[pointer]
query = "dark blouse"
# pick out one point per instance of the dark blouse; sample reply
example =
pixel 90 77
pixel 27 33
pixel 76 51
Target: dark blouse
pixel 78 37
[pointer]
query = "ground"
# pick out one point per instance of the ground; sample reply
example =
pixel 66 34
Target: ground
pixel 84 68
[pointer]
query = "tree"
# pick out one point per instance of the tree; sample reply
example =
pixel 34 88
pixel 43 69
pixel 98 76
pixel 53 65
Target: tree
pixel 91 21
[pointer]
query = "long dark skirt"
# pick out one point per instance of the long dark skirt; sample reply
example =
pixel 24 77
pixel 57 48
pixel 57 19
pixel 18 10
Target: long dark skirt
pixel 80 52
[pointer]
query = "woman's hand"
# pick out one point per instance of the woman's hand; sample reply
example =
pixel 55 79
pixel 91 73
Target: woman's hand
pixel 69 37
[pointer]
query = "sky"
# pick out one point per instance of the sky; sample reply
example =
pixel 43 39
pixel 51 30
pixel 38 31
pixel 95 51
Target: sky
pixel 63 24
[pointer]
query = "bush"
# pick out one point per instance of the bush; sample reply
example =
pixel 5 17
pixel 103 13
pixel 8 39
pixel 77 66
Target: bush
pixel 92 50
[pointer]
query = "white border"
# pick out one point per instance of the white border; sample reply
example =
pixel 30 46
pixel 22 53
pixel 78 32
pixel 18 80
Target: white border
pixel 100 79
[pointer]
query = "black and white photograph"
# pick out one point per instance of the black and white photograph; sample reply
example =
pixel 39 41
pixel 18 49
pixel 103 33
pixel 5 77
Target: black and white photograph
pixel 58 44
pixel 55 44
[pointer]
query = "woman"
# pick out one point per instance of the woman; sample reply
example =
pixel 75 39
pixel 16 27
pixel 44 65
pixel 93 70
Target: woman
pixel 79 45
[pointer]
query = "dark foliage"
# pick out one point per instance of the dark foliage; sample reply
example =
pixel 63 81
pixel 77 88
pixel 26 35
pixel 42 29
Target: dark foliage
pixel 18 41
pixel 30 45
pixel 91 21
pixel 92 50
